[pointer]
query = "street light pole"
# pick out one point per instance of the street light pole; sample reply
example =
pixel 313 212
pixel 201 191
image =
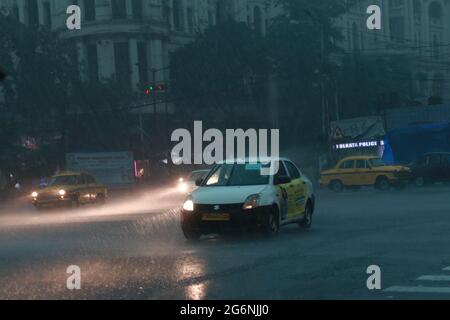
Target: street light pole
pixel 154 88
pixel 322 78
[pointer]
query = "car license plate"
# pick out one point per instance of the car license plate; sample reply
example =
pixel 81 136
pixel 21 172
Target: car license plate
pixel 216 217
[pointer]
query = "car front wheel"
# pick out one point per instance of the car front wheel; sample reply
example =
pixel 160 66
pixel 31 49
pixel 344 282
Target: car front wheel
pixel 382 184
pixel 272 225
pixel 419 182
pixel 307 220
pixel 336 186
pixel 189 232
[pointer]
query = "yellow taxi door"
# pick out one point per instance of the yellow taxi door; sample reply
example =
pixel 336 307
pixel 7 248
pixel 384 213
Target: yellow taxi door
pixel 297 191
pixel 83 190
pixel 362 173
pixel 283 193
pixel 346 173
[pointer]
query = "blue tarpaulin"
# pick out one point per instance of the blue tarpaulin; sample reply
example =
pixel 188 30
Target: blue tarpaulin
pixel 404 145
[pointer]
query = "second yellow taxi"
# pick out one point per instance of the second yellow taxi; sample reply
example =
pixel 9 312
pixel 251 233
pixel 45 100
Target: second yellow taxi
pixel 364 171
pixel 69 189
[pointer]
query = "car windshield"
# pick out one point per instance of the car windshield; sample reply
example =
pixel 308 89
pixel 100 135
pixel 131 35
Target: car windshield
pixel 377 162
pixel 237 175
pixel 64 181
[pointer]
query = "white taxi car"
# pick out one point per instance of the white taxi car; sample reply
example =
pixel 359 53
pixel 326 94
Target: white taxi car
pixel 237 195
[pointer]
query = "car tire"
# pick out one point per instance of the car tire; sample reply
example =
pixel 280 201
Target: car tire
pixel 336 186
pixel 307 220
pixel 419 182
pixel 272 224
pixel 382 183
pixel 190 233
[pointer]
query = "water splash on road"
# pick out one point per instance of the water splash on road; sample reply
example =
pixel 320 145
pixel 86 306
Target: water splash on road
pixel 146 202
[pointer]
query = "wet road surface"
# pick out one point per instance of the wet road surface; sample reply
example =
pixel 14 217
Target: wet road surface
pixel 134 249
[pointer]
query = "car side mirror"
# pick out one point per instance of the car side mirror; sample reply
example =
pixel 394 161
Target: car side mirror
pixel 199 182
pixel 282 180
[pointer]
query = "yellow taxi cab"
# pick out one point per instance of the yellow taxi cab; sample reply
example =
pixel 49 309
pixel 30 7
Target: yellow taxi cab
pixel 69 189
pixel 364 171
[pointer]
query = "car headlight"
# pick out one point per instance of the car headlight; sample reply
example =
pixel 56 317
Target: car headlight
pixel 62 192
pixel 182 187
pixel 34 194
pixel 252 202
pixel 188 205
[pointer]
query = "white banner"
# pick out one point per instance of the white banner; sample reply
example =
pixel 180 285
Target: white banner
pixel 113 169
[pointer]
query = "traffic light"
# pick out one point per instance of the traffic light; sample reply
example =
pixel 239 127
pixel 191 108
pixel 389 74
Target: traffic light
pixel 150 88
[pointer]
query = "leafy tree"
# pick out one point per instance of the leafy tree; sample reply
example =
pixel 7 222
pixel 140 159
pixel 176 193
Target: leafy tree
pixel 369 84
pixel 37 87
pixel 45 99
pixel 301 43
pixel 223 70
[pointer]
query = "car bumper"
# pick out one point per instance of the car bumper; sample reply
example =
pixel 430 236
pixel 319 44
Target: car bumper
pixel 239 219
pixel 53 203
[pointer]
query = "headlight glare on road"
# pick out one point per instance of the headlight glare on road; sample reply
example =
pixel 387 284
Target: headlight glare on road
pixel 188 205
pixel 252 202
pixel 34 194
pixel 62 192
pixel 182 187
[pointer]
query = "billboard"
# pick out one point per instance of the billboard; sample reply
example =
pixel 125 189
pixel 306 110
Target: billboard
pixel 361 129
pixel 113 169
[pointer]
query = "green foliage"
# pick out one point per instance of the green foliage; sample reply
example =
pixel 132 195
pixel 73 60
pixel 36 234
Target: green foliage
pixel 369 84
pixel 38 79
pixel 221 69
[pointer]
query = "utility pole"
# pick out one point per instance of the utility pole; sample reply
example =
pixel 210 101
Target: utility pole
pixel 322 79
pixel 154 95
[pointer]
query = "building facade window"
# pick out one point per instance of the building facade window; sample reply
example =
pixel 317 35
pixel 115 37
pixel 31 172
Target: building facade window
pixel 32 12
pixel 167 12
pixel 258 20
pixel 92 58
pixel 47 14
pixel 119 9
pixel 435 13
pixel 137 9
pixel 397 25
pixel 178 15
pixel 355 37
pixel 122 63
pixel 190 19
pixel 89 10
pixel 142 61
pixel 436 47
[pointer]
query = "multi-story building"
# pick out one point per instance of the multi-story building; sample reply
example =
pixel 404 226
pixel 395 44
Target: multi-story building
pixel 418 30
pixel 131 40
